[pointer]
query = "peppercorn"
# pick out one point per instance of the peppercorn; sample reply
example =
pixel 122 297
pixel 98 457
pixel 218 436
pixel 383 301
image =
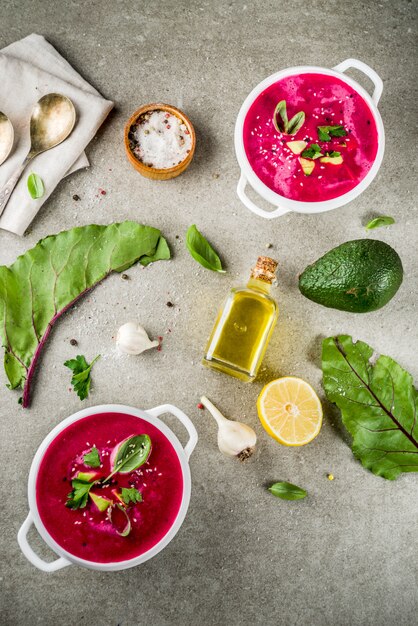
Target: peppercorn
pixel 73 342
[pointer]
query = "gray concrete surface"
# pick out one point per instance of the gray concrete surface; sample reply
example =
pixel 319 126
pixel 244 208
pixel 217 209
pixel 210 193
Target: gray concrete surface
pixel 347 555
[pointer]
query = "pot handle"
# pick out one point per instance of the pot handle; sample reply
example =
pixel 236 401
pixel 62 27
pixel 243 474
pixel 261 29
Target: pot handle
pixel 30 554
pixel 366 69
pixel 186 421
pixel 252 206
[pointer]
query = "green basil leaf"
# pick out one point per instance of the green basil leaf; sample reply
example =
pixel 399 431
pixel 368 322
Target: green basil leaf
pixel 378 404
pixel 132 453
pixel 287 491
pixel 382 220
pixel 280 110
pixel 202 251
pixel 333 154
pixel 36 186
pixel 295 123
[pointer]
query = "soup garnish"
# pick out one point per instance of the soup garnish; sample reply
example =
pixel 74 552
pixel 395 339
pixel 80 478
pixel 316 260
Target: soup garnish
pixel 325 150
pixel 128 456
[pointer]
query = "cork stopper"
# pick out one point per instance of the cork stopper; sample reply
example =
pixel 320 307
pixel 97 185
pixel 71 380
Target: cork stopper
pixel 265 269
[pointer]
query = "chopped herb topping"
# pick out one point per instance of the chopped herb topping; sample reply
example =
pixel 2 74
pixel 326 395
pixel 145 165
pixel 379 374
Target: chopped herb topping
pixel 92 458
pixel 326 132
pixel 131 495
pixel 77 498
pixel 313 152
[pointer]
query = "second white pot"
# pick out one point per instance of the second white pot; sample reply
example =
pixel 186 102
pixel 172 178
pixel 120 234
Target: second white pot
pixel 285 205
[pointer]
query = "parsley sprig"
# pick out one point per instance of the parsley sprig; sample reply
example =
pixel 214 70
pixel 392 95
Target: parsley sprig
pixel 131 495
pixel 92 458
pixel 77 498
pixel 81 378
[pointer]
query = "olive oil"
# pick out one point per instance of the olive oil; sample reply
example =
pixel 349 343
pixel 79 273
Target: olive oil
pixel 244 325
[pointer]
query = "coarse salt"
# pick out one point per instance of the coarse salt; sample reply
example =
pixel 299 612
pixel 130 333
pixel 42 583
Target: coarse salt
pixel 160 140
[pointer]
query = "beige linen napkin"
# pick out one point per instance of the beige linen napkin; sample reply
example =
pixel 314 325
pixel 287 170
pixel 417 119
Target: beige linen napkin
pixel 29 69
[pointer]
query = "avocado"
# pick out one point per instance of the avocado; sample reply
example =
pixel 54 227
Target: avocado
pixel 332 160
pixel 88 477
pixel 101 502
pixel 296 146
pixel 358 276
pixel 118 495
pixel 307 166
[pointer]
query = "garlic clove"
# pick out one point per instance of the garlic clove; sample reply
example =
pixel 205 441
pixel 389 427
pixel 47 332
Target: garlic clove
pixel 234 438
pixel 132 338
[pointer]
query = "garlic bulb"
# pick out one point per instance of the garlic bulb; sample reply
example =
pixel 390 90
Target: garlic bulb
pixel 133 339
pixel 234 438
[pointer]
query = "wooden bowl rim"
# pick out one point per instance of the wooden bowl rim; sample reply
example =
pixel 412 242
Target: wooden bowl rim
pixel 160 106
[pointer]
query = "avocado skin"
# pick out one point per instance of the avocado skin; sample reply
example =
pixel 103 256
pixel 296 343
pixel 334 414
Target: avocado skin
pixel 358 276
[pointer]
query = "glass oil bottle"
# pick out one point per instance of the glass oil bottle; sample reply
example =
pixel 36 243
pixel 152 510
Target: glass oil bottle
pixel 244 325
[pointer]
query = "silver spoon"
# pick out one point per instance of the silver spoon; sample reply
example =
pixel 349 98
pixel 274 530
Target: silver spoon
pixel 52 120
pixel 6 137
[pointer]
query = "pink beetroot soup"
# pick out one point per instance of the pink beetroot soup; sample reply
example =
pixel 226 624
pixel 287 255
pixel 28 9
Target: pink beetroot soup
pixel 326 101
pixel 87 532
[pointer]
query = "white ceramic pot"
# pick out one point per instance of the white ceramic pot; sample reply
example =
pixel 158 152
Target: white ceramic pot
pixel 285 205
pixel 65 558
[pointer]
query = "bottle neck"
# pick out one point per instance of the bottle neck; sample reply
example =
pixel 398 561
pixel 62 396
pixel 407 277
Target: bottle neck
pixel 260 285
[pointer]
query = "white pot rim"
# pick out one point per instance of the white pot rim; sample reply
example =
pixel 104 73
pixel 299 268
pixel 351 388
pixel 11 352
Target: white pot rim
pixel 296 205
pixel 182 457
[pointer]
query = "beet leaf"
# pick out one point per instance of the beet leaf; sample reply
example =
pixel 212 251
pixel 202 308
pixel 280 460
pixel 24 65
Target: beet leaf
pixel 48 279
pixel 378 403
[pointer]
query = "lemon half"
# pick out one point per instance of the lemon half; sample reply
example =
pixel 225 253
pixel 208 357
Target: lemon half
pixel 290 411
